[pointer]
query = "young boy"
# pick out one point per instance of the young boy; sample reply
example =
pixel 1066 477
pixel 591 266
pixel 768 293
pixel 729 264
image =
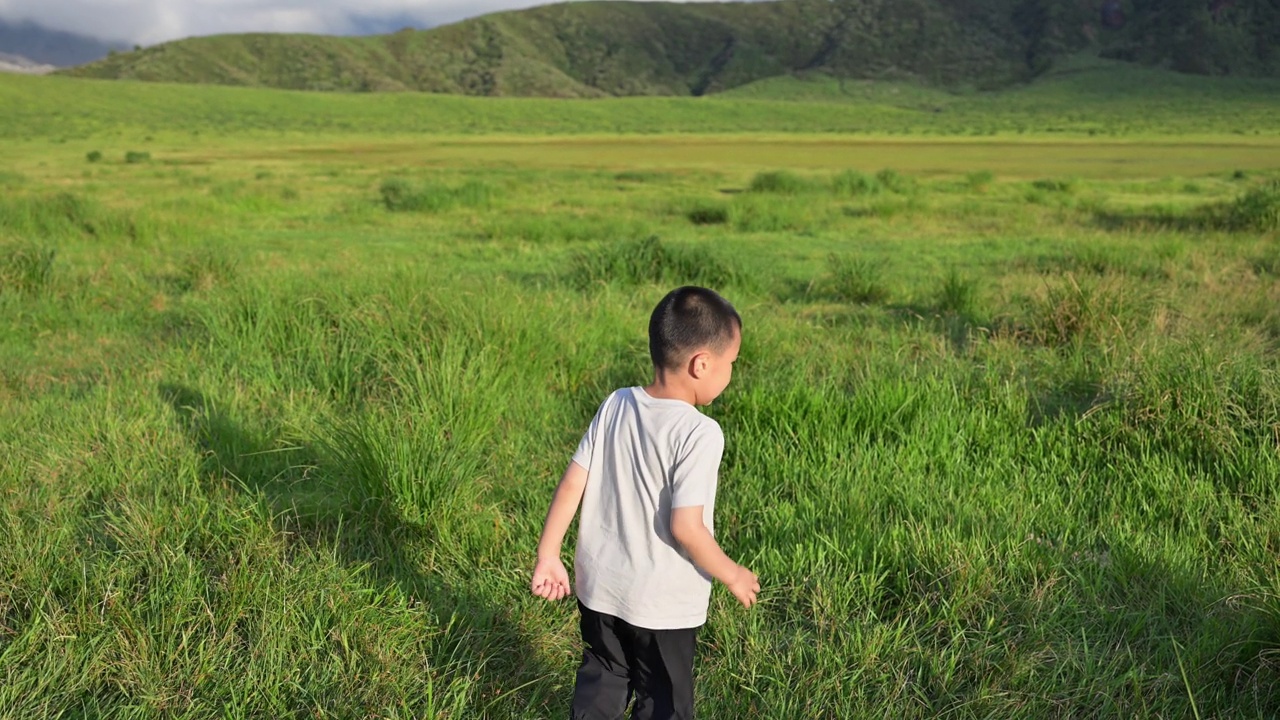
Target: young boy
pixel 645 475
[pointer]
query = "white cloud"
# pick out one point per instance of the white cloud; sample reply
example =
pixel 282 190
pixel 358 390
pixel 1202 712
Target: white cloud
pixel 152 21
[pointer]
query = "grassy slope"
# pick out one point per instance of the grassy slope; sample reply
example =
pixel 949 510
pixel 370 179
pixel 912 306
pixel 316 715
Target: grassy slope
pixel 589 49
pixel 586 50
pixel 548 51
pixel 1086 97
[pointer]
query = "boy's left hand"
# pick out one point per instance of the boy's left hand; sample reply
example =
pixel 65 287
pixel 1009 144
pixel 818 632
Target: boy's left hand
pixel 551 580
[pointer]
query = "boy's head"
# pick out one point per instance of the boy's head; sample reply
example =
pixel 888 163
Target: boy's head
pixel 695 331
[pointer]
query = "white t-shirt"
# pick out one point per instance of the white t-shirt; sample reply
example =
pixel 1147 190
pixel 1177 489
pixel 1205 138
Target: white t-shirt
pixel 643 457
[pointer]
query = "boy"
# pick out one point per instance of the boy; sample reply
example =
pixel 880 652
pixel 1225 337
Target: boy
pixel 645 474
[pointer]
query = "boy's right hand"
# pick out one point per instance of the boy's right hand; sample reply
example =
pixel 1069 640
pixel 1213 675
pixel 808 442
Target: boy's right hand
pixel 744 585
pixel 550 580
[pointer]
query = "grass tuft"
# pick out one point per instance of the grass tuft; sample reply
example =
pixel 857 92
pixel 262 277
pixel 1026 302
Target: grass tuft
pixel 957 295
pixel 60 215
pixel 560 228
pixel 856 280
pixel 704 213
pixel 751 213
pixel 1070 313
pixel 204 269
pixel 780 182
pixel 1258 210
pixel 26 268
pixel 1055 185
pixel 852 183
pixel 399 195
pixel 979 181
pixel 896 182
pixel 650 260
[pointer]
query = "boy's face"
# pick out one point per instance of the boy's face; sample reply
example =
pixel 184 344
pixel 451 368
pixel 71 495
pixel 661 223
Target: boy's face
pixel 714 370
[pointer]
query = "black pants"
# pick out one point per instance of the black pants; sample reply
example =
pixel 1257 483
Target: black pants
pixel 621 661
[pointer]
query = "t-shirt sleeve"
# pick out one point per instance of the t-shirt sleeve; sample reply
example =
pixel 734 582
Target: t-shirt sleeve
pixel 693 480
pixel 582 456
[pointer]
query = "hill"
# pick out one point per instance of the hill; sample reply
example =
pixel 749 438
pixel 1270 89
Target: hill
pixel 574 50
pixel 42 46
pixel 594 49
pixel 1082 97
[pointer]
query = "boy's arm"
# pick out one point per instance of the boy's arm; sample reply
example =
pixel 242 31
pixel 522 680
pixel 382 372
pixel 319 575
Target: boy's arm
pixel 692 534
pixel 550 579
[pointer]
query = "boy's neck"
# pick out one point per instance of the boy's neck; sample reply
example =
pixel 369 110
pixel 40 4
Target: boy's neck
pixel 665 387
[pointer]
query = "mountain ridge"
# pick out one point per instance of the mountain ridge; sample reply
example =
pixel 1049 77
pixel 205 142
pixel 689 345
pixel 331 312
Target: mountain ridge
pixel 43 46
pixel 598 49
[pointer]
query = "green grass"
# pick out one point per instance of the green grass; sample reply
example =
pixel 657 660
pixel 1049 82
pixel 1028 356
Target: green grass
pixel 1096 100
pixel 649 261
pixel 278 427
pixel 25 268
pixel 400 196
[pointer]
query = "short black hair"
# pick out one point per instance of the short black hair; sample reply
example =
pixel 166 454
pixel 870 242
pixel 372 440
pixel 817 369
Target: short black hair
pixel 687 319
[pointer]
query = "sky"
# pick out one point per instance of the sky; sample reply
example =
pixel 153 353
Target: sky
pixel 147 22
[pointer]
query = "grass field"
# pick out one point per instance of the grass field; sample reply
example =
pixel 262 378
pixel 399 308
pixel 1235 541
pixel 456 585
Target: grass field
pixel 280 412
pixel 1085 98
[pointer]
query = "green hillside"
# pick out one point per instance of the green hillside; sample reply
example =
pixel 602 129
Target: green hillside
pixel 594 49
pixel 573 50
pixel 1083 97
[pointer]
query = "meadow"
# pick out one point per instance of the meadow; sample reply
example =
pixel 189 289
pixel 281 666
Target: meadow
pixel 284 393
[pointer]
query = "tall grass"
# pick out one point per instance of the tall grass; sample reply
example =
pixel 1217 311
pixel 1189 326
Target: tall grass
pixel 957 295
pixel 1072 313
pixel 25 268
pixel 853 183
pixel 559 228
pixel 781 182
pixel 399 195
pixel 650 260
pixel 1257 210
pixel 204 268
pixel 67 215
pixel 896 182
pixel 979 180
pixel 708 214
pixel 264 467
pixel 857 280
pixel 771 214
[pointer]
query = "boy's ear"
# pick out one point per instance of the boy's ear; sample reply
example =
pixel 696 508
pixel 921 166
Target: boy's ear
pixel 698 363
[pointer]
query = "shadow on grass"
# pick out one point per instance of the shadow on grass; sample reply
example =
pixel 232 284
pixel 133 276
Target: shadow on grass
pixel 303 489
pixel 1256 210
pixel 1137 636
pixel 1074 399
pixel 957 322
pixel 1071 624
pixel 1151 219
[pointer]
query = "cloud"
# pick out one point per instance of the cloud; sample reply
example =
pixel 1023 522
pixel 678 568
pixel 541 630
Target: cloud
pixel 151 21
